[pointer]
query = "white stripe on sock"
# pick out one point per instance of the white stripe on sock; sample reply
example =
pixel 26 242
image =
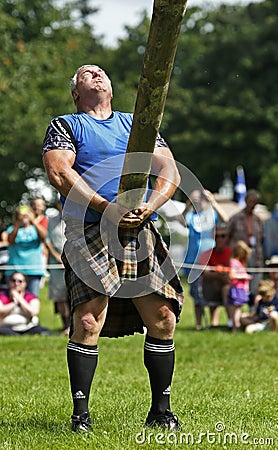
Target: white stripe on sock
pixel 85 351
pixel 156 348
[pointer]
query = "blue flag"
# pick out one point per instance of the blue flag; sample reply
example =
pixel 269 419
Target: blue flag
pixel 240 186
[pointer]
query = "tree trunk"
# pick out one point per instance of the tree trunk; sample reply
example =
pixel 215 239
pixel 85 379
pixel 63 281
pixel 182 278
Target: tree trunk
pixel 151 96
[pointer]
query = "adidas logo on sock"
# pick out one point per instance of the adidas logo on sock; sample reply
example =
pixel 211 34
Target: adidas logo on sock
pixel 79 394
pixel 167 391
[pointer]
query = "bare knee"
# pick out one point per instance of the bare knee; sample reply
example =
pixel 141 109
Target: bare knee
pixel 89 324
pixel 86 328
pixel 163 325
pixel 88 320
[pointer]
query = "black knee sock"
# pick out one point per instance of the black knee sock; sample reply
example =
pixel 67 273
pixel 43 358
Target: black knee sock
pixel 82 362
pixel 159 359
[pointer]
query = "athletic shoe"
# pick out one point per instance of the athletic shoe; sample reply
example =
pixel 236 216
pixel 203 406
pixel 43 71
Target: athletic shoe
pixel 81 423
pixel 165 420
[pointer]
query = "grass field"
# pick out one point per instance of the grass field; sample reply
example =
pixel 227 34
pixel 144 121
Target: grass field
pixel 224 392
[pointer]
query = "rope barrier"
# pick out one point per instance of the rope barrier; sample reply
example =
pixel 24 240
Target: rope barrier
pixel 31 267
pixel 181 266
pixel 228 269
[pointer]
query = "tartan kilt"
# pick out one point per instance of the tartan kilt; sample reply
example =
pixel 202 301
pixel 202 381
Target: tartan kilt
pixel 139 266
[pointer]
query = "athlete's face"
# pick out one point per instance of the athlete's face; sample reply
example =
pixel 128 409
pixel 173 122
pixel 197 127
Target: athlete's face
pixel 93 79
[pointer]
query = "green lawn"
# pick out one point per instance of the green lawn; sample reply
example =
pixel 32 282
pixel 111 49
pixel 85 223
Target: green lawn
pixel 224 391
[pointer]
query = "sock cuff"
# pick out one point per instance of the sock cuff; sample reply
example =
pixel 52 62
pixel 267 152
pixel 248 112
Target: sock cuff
pixel 86 350
pixel 159 345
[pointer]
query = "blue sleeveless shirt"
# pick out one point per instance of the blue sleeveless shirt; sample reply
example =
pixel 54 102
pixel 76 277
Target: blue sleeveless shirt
pixel 100 147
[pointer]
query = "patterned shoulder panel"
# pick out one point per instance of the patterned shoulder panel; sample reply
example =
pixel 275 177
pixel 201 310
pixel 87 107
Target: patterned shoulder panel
pixel 58 136
pixel 160 142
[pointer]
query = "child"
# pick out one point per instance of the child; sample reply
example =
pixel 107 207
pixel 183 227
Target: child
pixel 266 313
pixel 238 294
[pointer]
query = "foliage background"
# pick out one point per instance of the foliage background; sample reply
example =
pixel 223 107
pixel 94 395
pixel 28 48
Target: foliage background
pixel 221 110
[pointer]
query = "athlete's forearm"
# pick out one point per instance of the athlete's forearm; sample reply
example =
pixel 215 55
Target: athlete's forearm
pixel 70 184
pixel 167 177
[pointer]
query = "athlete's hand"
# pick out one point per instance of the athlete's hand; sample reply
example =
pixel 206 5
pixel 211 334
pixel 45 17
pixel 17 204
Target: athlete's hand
pixel 120 216
pixel 143 211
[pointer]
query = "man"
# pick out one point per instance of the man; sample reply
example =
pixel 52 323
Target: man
pixel 248 227
pixel 271 234
pixel 112 256
pixel 216 282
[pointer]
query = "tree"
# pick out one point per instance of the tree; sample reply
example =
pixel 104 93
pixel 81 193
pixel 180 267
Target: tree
pixel 221 108
pixel 268 187
pixel 222 104
pixel 41 46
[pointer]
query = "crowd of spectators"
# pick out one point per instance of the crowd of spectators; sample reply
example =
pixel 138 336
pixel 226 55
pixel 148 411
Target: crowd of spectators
pixel 227 251
pixel 231 270
pixel 27 246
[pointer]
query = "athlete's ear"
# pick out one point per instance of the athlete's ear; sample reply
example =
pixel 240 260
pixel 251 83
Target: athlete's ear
pixel 75 95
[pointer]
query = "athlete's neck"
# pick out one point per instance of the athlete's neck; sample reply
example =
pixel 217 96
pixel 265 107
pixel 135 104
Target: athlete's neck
pixel 99 111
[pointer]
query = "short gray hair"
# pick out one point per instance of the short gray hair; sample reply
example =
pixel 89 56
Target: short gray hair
pixel 74 78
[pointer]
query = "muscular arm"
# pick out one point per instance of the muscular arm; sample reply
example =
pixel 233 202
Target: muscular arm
pixel 168 178
pixel 167 181
pixel 59 167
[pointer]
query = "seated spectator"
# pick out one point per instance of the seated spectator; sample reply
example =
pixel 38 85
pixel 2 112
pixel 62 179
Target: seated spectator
pixel 270 242
pixel 216 282
pixel 266 314
pixel 19 309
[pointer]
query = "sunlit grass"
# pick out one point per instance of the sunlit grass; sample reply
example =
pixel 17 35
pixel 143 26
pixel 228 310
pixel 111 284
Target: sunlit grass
pixel 220 380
